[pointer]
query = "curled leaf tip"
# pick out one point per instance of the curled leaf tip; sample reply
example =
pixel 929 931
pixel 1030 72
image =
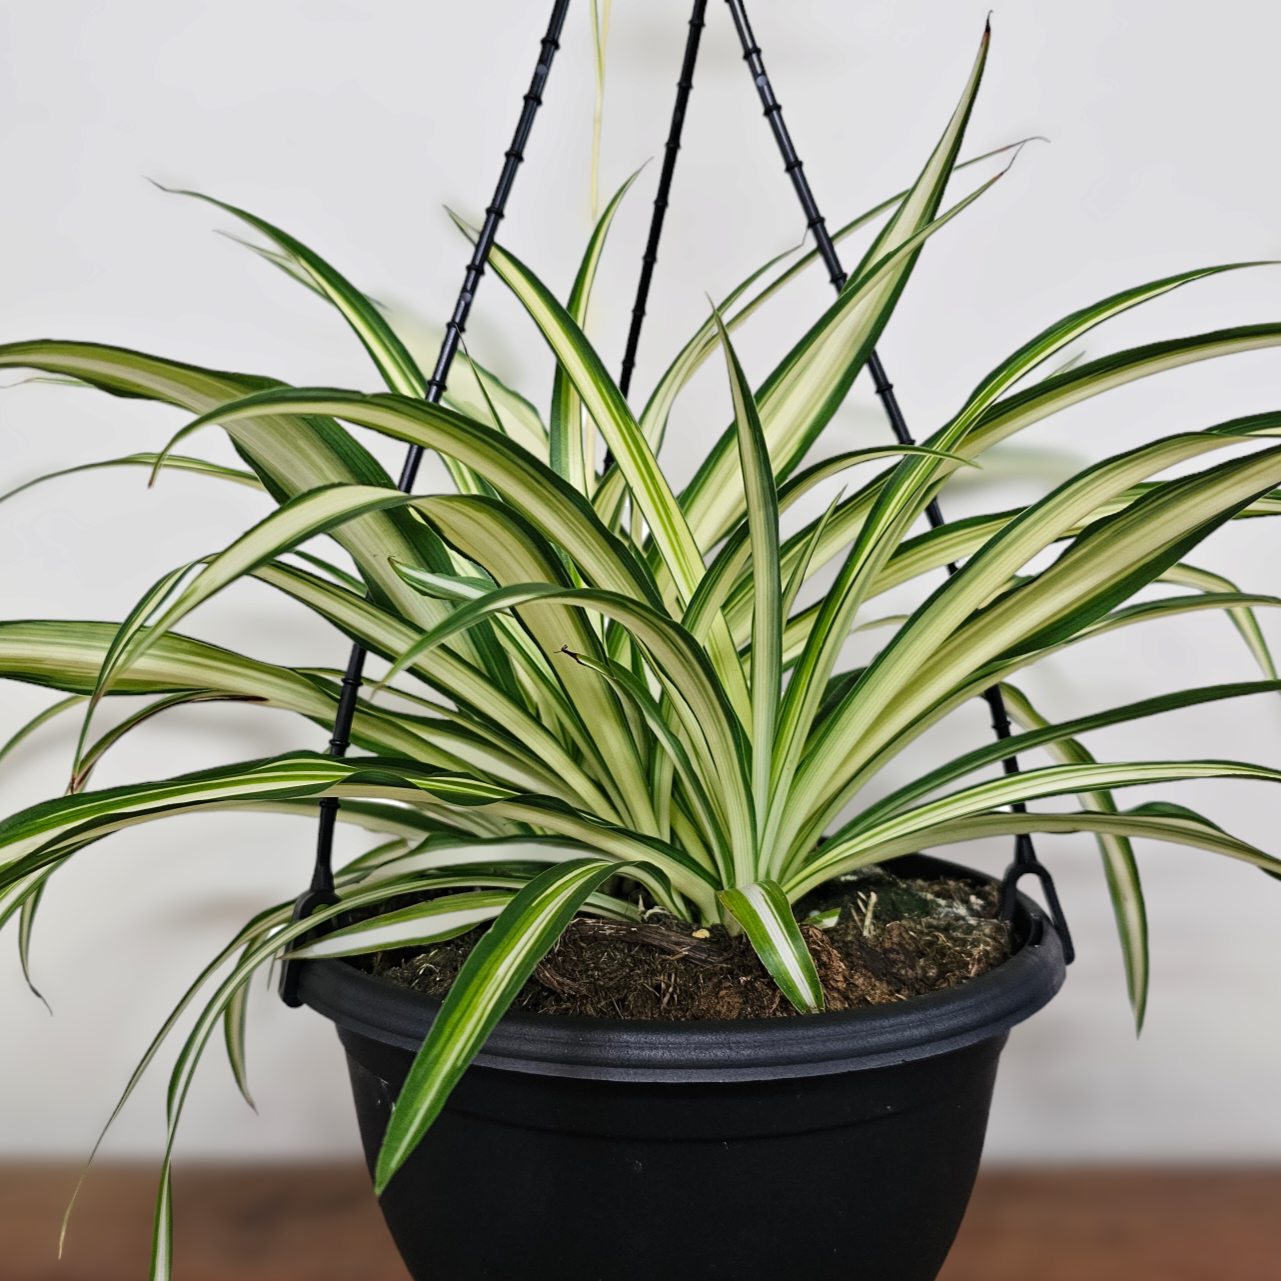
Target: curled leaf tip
pixel 565 649
pixel 40 996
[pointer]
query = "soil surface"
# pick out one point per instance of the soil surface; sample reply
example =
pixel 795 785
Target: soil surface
pixel 893 939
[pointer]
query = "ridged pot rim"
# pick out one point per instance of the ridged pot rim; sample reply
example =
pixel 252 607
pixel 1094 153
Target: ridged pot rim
pixel 721 1050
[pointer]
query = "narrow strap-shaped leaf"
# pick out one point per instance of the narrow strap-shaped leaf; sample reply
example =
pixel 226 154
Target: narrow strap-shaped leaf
pixel 263 921
pixel 704 809
pixel 568 452
pixel 837 794
pixel 68 654
pixel 1181 831
pixel 386 818
pixel 373 858
pixel 235 1020
pixel 942 637
pixel 389 354
pixel 67 821
pixel 496 969
pixel 299 519
pixel 763 911
pixel 31 901
pixel 767 620
pixel 452 586
pixel 130 638
pixel 679 552
pixel 282 262
pixel 1041 734
pixel 91 756
pixel 925 197
pixel 174 462
pixel 1120 868
pixel 653 420
pixel 723 582
pixel 1025 408
pixel 474 484
pixel 261 949
pixel 451 915
pixel 1052 780
pixel 349 581
pixel 530 663
pixel 805 389
pixel 555 508
pixel 605 403
pixel 1057 336
pixel 14 894
pixel 475 391
pixel 824 366
pixel 1243 618
pixel 1002 556
pixel 46 834
pixel 432 922
pixel 508 725
pixel 455 856
pixel 677 661
pixel 292 454
pixel 801 567
pixel 1107 563
pixel 40 718
pixel 677 882
pixel 889 519
pixel 514 551
pixel 1059 391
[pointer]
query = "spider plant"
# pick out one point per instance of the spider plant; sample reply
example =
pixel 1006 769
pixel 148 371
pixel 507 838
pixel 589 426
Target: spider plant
pixel 616 702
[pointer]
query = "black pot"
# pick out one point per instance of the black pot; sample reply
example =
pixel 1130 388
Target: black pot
pixel 837 1145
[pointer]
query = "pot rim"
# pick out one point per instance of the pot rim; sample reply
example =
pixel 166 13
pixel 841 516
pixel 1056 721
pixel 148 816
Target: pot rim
pixel 710 1051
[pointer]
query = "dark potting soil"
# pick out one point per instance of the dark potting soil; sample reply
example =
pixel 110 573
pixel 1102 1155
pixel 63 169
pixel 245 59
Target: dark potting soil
pixel 893 939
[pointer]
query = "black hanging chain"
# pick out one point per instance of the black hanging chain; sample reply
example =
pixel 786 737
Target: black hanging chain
pixel 321 891
pixel 1025 860
pixel 683 87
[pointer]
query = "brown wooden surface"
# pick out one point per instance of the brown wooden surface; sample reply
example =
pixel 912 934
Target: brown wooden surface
pixel 320 1223
pixel 231 1223
pixel 1121 1225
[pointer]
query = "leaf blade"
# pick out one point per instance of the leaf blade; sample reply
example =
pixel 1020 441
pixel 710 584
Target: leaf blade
pixel 496 969
pixel 766 917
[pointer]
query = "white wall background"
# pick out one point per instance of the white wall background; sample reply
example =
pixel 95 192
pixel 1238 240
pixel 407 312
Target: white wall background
pixel 351 124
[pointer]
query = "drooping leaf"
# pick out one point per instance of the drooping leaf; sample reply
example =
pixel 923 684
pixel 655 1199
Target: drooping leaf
pixel 174 462
pixel 495 970
pixel 291 454
pixel 386 350
pixel 923 824
pixel 1120 867
pixel 430 922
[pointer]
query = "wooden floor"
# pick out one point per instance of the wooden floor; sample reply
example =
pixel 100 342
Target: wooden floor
pixel 309 1223
pixel 1121 1225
